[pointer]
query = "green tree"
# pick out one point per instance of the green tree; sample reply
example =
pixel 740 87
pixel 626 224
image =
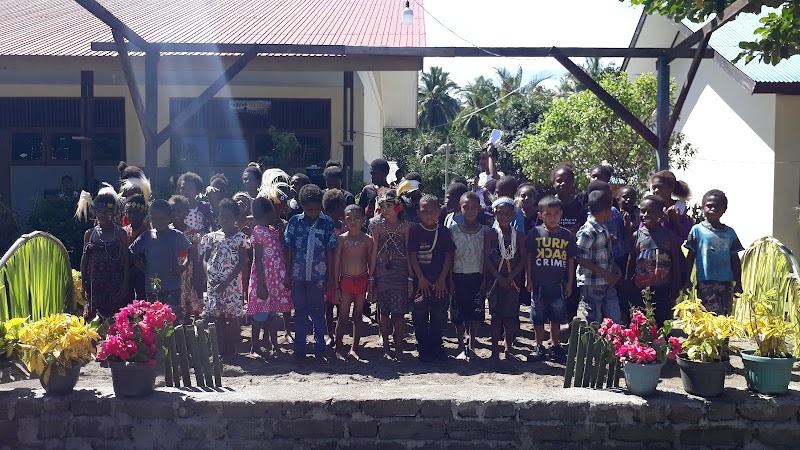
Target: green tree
pixel 593 67
pixel 581 129
pixel 478 113
pixel 437 106
pixel 777 38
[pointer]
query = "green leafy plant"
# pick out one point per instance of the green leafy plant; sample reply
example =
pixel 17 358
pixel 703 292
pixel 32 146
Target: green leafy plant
pixel 57 216
pixel 707 333
pixel 10 226
pixel 766 326
pixel 57 342
pixel 581 129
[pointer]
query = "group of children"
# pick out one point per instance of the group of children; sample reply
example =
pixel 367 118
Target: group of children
pixel 284 244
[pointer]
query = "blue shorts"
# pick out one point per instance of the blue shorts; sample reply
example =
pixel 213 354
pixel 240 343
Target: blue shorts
pixel 548 304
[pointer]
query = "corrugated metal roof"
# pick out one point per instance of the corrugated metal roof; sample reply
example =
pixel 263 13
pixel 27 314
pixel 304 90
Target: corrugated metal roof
pixel 64 28
pixel 725 41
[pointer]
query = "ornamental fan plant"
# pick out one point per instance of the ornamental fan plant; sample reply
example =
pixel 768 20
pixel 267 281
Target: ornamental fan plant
pixel 642 342
pixel 707 334
pixel 765 326
pixel 134 334
pixel 58 341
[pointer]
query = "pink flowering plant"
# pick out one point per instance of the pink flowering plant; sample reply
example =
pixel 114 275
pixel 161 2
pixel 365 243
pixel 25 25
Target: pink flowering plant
pixel 134 335
pixel 642 342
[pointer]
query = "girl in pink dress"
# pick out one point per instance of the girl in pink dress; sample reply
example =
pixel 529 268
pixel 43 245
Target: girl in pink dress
pixel 268 296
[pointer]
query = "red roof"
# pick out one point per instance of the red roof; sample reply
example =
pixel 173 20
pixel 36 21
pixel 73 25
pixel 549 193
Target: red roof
pixel 64 28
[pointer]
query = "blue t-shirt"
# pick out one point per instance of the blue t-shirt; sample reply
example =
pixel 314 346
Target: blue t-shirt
pixel 713 249
pixel 160 249
pixel 308 242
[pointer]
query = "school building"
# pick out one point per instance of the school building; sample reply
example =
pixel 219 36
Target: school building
pixel 743 119
pixel 337 106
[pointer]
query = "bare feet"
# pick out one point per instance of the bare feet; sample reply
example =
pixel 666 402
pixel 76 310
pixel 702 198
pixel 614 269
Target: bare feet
pixel 389 356
pixel 340 356
pixel 353 354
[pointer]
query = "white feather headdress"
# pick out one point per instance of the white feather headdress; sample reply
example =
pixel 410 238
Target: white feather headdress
pixel 274 185
pixel 143 184
pixel 86 203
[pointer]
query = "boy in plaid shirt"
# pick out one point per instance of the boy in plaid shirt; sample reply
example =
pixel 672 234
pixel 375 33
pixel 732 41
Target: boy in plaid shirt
pixel 597 273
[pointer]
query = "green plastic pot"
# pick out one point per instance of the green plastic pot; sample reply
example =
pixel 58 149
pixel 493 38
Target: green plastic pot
pixel 642 379
pixel 767 375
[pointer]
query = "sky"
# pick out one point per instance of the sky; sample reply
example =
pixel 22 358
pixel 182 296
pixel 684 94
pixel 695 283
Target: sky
pixel 523 23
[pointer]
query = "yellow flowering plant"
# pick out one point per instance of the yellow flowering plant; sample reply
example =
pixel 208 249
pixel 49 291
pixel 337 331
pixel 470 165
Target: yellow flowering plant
pixel 767 327
pixel 9 335
pixel 707 333
pixel 57 341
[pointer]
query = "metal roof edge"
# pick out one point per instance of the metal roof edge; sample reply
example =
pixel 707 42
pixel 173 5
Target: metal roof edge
pixel 634 39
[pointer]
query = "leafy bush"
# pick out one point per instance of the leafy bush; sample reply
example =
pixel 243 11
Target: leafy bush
pixel 10 227
pixel 56 216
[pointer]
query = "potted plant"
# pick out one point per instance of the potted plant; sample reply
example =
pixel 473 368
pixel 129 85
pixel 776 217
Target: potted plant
pixel 642 347
pixel 10 367
pixel 704 360
pixel 131 348
pixel 767 368
pixel 56 347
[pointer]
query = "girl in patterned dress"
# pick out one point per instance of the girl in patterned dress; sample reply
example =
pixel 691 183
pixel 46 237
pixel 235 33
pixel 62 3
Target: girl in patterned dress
pixel 268 296
pixel 192 303
pixel 223 256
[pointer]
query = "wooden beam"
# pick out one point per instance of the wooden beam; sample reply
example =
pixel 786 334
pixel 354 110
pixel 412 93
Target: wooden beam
pixel 422 52
pixel 107 17
pixel 608 99
pixel 87 128
pixel 151 98
pixel 676 110
pixel 729 13
pixel 133 87
pixel 196 104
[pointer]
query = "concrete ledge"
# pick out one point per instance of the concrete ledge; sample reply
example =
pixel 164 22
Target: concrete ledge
pixel 356 417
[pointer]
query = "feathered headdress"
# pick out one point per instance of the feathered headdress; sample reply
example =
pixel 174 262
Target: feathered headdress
pixel 107 198
pixel 142 184
pixel 275 186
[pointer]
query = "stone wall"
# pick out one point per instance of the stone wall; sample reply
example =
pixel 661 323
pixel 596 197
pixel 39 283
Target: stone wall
pixel 296 418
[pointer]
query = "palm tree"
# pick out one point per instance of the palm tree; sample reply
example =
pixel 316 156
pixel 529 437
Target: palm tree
pixel 508 82
pixel 437 107
pixel 478 111
pixel 593 67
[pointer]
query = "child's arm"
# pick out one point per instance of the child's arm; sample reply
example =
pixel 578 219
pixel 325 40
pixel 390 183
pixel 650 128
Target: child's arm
pixel 630 267
pixel 523 253
pixel 675 268
pixel 736 266
pixel 570 277
pixel 370 266
pixel 409 269
pixel 373 261
pixel 690 260
pixel 337 270
pixel 288 255
pixel 123 289
pixel 85 263
pixel 261 285
pixel 529 272
pixel 424 283
pixel 447 273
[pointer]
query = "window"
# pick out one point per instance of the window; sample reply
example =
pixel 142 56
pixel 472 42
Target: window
pixel 64 148
pixel 191 149
pixel 232 150
pixel 26 146
pixel 108 147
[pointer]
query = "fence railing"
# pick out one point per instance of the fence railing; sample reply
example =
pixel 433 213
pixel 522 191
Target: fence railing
pixel 35 277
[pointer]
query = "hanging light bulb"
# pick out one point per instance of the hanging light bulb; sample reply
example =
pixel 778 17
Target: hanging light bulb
pixel 408 14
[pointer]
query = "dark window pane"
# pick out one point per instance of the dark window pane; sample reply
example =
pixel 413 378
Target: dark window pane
pixel 108 147
pixel 191 148
pixel 232 150
pixel 64 148
pixel 109 112
pixel 26 146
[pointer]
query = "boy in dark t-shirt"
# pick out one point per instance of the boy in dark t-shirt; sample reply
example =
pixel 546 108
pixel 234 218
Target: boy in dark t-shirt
pixel 430 251
pixel 551 274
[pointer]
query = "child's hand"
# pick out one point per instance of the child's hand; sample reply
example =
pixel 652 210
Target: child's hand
pixel 424 287
pixel 568 291
pixel 262 291
pixel 737 288
pixel 611 277
pixel 529 284
pixel 370 289
pixel 287 281
pixel 410 288
pixel 337 297
pixel 440 288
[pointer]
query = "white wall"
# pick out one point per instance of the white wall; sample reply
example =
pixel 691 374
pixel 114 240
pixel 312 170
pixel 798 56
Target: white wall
pixel 787 170
pixel 371 123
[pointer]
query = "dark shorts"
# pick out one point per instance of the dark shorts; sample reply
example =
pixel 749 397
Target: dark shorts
pixel 548 304
pixel 504 303
pixel 717 296
pixel 467 305
pixel 171 298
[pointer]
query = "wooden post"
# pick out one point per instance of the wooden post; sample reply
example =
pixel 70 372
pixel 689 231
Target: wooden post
pixel 662 114
pixel 571 352
pixel 183 353
pixel 580 358
pixel 588 370
pixel 151 99
pixel 612 373
pixel 174 357
pixel 212 336
pixel 87 128
pixel 202 343
pixel 602 368
pixel 167 363
pixel 194 351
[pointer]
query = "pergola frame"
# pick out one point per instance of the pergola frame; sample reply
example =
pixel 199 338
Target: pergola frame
pixel 127 41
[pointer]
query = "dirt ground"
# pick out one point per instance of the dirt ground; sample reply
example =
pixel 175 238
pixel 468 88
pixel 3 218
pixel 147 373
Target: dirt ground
pixel 246 370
